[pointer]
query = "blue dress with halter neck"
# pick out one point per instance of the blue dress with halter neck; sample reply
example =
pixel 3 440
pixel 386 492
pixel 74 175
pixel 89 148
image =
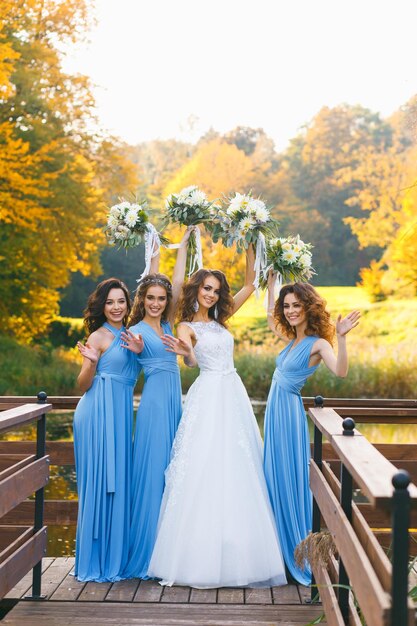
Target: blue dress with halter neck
pixel 287 451
pixel 103 423
pixel 157 421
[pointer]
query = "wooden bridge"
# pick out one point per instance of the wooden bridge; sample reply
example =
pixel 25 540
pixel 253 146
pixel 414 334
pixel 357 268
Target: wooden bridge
pixel 359 582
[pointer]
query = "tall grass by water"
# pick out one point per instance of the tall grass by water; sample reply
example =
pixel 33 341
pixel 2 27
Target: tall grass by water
pixel 382 350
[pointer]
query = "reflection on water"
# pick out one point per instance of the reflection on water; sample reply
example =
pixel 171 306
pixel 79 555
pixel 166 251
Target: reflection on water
pixel 62 484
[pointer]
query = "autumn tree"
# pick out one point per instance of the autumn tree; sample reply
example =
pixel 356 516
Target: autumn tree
pixel 386 196
pixel 54 187
pixel 319 163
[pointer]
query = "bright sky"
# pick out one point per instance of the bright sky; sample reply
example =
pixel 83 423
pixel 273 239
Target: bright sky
pixel 259 63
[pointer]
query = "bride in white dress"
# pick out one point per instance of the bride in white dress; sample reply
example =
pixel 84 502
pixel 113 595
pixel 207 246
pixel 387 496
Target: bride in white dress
pixel 216 527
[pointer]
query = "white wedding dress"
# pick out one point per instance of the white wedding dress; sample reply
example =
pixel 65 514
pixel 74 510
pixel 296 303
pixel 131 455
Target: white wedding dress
pixel 216 527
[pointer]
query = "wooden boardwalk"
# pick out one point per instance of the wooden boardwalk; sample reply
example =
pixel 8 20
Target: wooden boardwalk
pixel 128 602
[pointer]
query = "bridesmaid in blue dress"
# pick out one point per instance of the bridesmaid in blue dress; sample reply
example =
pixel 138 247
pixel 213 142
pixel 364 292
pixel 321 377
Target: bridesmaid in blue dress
pixel 103 423
pixel 160 408
pixel 298 317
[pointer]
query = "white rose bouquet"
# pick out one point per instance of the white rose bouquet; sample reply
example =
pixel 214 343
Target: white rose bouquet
pixel 290 258
pixel 190 207
pixel 128 225
pixel 246 220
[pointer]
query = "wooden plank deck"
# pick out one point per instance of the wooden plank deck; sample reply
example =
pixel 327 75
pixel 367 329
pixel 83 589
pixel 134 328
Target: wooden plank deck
pixel 71 603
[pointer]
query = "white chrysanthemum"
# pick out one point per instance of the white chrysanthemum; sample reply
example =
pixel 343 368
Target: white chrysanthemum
pixel 237 203
pixel 258 209
pixel 246 224
pixel 115 211
pixel 187 190
pixel 124 207
pixel 131 217
pixel 112 221
pixel 289 255
pixel 262 214
pixel 305 260
pixel 273 242
pixel 286 246
pixel 197 197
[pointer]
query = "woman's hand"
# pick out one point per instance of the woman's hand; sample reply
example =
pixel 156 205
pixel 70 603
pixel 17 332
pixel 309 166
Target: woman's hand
pixel 186 235
pixel 132 342
pixel 88 352
pixel 345 325
pixel 177 346
pixel 272 279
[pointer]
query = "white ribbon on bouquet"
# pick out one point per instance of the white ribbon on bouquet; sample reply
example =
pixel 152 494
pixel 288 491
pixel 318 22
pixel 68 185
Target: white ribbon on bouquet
pixel 196 259
pixel 260 261
pixel 152 247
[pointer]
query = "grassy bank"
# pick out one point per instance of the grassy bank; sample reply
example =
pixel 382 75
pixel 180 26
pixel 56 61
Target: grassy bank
pixel 26 370
pixel 383 358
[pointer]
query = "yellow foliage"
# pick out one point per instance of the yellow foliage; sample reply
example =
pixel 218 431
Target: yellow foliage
pixel 217 168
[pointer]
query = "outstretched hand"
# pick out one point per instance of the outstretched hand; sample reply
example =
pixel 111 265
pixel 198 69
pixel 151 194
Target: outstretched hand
pixel 343 326
pixel 88 352
pixel 187 234
pixel 177 346
pixel 132 342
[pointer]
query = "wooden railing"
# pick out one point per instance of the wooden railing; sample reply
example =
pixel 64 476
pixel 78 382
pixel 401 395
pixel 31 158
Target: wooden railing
pixel 22 474
pixel 361 531
pixel 61 453
pixel 379 585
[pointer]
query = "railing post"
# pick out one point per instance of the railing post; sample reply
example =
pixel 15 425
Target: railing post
pixel 318 457
pixel 39 497
pixel 400 539
pixel 346 486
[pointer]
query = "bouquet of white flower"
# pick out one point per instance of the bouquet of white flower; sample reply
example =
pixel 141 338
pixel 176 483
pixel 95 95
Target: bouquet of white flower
pixel 128 225
pixel 190 207
pixel 246 220
pixel 290 257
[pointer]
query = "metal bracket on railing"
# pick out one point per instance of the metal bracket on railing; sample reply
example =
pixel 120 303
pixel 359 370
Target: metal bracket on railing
pixel 400 548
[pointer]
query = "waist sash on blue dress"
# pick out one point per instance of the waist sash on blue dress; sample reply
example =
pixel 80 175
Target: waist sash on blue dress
pixel 105 393
pixel 152 365
pixel 290 381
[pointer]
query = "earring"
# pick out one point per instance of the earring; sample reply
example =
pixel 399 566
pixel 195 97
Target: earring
pixel 196 306
pixel 216 312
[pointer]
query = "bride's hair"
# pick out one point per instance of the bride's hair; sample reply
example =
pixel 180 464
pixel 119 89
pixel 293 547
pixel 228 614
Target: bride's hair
pixel 94 312
pixel 138 308
pixel 318 319
pixel 190 293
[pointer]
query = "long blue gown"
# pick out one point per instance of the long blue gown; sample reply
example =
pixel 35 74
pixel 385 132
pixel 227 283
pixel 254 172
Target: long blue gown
pixel 287 452
pixel 103 423
pixel 157 420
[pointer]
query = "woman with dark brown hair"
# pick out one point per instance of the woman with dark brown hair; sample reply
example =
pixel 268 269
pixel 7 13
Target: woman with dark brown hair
pixel 103 422
pixel 299 317
pixel 216 526
pixel 160 408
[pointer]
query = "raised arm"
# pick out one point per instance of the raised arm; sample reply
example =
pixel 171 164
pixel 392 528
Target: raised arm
pixel 179 272
pixel 154 268
pixel 248 288
pixel 272 279
pixel 339 364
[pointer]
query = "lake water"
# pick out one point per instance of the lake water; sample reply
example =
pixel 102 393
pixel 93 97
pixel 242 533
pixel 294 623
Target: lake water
pixel 62 483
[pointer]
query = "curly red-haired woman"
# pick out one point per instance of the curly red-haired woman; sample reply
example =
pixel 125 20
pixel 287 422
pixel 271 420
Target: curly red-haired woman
pixel 299 317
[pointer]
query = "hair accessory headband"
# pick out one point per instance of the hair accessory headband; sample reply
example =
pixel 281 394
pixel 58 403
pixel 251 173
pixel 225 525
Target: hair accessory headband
pixel 159 281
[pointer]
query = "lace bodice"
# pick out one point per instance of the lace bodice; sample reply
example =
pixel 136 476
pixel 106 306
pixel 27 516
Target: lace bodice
pixel 214 347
